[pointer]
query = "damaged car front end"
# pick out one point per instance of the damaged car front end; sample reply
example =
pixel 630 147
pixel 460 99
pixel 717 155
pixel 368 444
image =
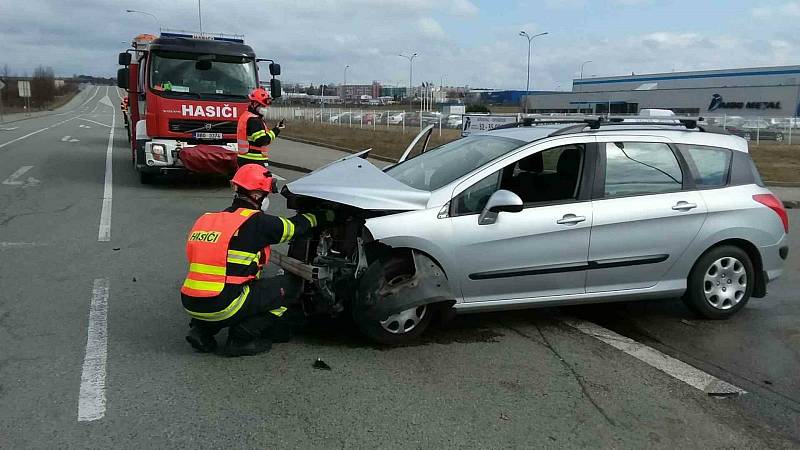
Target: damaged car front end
pixel 391 292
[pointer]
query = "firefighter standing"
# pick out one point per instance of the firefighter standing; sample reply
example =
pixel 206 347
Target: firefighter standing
pixel 252 134
pixel 227 251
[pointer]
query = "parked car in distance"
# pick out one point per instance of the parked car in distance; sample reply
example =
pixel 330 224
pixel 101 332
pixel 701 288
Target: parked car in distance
pixel 532 216
pixel 751 130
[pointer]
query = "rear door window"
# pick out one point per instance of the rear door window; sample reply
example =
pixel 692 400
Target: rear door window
pixel 710 166
pixel 636 168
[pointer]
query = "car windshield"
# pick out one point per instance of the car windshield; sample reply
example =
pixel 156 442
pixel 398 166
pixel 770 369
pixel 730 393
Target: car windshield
pixel 177 74
pixel 449 162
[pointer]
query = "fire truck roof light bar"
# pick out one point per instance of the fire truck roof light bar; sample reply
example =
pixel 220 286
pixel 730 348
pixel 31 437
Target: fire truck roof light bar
pixel 238 38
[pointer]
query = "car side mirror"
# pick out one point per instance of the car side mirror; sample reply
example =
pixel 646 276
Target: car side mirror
pixel 124 59
pixel 275 88
pixel 500 201
pixel 274 69
pixel 122 78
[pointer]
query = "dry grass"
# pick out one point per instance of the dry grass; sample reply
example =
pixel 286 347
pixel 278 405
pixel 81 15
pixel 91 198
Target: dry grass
pixel 776 162
pixel 388 143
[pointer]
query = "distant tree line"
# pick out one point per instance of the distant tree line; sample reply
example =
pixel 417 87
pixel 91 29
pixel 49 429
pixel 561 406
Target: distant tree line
pixel 45 90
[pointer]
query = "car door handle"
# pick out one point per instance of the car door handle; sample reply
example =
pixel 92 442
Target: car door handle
pixel 570 219
pixel 684 206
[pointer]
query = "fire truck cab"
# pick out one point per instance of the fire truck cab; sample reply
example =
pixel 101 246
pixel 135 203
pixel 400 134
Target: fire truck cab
pixel 185 95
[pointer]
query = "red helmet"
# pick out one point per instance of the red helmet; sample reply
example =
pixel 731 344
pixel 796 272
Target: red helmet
pixel 253 177
pixel 260 96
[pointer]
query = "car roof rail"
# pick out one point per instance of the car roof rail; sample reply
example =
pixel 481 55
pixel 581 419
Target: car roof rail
pixel 592 122
pixel 690 123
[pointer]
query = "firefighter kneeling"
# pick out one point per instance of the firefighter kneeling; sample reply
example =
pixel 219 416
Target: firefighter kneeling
pixel 227 252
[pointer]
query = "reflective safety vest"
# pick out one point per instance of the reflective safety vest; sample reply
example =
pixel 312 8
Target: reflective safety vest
pixel 247 150
pixel 208 254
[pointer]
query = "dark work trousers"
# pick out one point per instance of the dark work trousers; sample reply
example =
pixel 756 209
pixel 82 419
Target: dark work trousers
pixel 254 319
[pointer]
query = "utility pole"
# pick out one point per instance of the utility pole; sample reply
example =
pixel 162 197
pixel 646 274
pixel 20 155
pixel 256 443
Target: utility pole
pixel 528 84
pixel 410 76
pixel 200 16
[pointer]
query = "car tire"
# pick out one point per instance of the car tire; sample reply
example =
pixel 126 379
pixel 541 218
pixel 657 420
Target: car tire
pixel 402 328
pixel 720 283
pixel 747 137
pixel 779 137
pixel 146 178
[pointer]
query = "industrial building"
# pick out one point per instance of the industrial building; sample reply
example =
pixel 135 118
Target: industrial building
pixel 753 92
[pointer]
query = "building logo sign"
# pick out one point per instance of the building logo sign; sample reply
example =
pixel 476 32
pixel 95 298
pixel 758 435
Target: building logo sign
pixel 718 103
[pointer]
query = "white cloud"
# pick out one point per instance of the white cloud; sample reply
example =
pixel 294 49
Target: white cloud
pixel 429 27
pixel 464 8
pixel 789 9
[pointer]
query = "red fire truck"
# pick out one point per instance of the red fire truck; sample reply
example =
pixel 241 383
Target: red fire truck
pixel 185 95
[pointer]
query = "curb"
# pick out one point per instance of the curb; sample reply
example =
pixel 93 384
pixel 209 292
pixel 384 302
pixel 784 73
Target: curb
pixel 791 204
pixel 336 147
pixel 782 183
pixel 281 165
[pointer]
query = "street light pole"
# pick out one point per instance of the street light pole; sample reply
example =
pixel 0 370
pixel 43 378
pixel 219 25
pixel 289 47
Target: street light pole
pixel 344 85
pixel 200 16
pixel 583 64
pixel 410 75
pixel 158 23
pixel 528 84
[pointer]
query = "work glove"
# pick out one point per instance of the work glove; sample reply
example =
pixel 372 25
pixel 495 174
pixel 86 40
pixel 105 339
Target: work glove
pixel 281 125
pixel 325 215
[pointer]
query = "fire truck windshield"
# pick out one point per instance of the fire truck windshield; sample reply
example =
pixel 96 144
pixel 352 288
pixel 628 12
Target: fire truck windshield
pixel 177 74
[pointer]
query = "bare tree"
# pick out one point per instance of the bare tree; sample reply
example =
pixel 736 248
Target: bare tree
pixel 43 89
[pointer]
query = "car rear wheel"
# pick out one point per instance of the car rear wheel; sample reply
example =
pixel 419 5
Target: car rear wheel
pixel 403 327
pixel 779 137
pixel 747 137
pixel 720 283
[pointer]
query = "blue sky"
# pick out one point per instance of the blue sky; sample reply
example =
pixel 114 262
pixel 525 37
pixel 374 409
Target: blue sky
pixel 459 41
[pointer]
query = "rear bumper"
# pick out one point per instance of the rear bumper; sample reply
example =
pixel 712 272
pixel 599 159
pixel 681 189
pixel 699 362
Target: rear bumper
pixel 773 258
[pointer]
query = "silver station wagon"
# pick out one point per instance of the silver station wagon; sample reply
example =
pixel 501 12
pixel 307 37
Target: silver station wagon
pixel 540 214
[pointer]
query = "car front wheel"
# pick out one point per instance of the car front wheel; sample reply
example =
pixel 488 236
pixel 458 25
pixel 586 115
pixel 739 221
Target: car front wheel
pixel 720 283
pixel 405 326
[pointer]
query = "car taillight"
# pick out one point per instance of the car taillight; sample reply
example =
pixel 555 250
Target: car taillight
pixel 775 204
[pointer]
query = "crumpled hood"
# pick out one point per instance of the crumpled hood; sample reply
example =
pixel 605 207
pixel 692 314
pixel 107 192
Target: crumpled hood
pixel 356 182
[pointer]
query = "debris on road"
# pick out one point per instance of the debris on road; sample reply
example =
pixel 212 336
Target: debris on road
pixel 321 365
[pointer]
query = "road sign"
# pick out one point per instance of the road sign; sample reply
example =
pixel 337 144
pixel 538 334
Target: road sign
pixel 24 88
pixel 2 85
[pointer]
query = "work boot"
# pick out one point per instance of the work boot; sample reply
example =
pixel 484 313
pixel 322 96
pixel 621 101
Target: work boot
pixel 203 343
pixel 279 331
pixel 236 347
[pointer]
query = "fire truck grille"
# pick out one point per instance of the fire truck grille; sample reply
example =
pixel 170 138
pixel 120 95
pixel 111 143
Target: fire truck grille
pixel 186 126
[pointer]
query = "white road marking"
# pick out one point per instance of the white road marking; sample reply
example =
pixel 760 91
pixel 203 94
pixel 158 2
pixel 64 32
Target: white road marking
pixel 675 368
pixel 9 129
pixel 106 101
pixel 94 121
pixel 10 245
pixel 23 137
pixel 84 126
pixel 12 180
pixel 92 395
pixel 104 234
pixel 277 177
pixel 69 139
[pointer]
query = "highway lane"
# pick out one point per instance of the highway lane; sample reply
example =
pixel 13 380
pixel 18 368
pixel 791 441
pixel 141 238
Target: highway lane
pixel 494 380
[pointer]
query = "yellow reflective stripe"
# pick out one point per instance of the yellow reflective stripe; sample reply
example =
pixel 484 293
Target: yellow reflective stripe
pixel 248 212
pixel 288 230
pixel 311 218
pixel 256 135
pixel 253 156
pixel 206 269
pixel 226 313
pixel 271 135
pixel 244 258
pixel 279 311
pixel 203 285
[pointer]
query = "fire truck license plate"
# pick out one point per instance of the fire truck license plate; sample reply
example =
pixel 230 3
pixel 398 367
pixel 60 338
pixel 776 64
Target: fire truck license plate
pixel 204 135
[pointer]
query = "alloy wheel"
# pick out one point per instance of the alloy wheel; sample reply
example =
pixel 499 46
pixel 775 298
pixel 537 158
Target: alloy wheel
pixel 725 283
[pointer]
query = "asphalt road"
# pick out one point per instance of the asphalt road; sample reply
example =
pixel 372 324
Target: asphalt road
pixel 500 380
